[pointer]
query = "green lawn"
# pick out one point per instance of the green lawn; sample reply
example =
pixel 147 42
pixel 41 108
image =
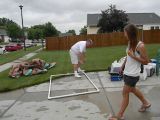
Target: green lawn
pixel 97 59
pixel 3 43
pixel 16 54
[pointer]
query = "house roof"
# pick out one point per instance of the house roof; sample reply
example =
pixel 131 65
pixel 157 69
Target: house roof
pixel 92 19
pixel 3 32
pixel 143 18
pixel 135 18
pixel 65 34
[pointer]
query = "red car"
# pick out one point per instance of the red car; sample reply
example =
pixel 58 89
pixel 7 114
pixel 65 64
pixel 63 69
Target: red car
pixel 13 47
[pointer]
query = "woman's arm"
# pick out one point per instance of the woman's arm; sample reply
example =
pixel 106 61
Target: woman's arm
pixel 123 66
pixel 143 55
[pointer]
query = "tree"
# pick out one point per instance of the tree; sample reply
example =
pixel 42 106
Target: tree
pixel 83 31
pixel 31 33
pixel 12 28
pixel 59 32
pixel 71 31
pixel 42 31
pixel 38 34
pixel 50 30
pixel 112 19
pixel 14 31
pixel 35 33
pixel 5 22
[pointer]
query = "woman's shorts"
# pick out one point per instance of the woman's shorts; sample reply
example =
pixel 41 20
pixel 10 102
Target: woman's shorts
pixel 130 80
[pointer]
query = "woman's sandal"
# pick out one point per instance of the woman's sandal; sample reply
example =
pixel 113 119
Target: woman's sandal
pixel 115 118
pixel 144 108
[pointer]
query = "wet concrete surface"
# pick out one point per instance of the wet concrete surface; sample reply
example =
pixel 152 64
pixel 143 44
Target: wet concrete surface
pixel 32 104
pixel 68 83
pixel 8 99
pixel 150 92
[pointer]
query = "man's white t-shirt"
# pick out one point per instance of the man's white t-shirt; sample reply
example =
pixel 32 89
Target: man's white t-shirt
pixel 79 47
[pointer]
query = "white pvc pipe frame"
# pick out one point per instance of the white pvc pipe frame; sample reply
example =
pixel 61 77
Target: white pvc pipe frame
pixel 73 94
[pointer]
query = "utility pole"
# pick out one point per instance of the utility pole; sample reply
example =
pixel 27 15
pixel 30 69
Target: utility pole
pixel 22 28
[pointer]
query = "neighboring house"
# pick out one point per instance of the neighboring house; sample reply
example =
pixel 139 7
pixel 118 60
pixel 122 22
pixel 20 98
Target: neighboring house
pixel 145 21
pixel 92 21
pixel 3 36
pixel 65 34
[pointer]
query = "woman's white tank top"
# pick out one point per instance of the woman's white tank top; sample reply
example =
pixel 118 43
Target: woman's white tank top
pixel 132 66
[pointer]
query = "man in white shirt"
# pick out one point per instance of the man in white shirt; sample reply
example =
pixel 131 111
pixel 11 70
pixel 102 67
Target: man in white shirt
pixel 77 54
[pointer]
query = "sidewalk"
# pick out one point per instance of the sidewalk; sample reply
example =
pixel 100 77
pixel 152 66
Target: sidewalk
pixel 26 57
pixel 32 104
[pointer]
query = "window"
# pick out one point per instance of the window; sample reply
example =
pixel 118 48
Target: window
pixel 157 27
pixel 140 27
pixel 152 27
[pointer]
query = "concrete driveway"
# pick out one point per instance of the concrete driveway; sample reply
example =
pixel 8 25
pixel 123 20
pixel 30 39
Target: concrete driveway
pixel 32 103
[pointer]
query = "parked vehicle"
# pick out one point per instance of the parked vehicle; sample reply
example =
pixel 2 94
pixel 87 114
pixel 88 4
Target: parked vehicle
pixel 16 40
pixel 38 41
pixel 27 45
pixel 13 47
pixel 2 50
pixel 35 41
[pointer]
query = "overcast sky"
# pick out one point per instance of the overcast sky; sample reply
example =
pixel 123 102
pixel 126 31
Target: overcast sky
pixel 68 14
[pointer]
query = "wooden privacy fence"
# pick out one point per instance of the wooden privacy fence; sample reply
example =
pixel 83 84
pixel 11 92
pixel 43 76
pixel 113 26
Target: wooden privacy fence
pixel 100 40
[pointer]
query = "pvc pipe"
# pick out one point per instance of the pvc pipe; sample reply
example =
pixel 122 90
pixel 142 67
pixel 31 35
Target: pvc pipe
pixel 73 94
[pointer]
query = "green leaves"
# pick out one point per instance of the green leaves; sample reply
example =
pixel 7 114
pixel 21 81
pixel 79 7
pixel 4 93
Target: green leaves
pixel 72 31
pixel 112 20
pixel 83 31
pixel 42 31
pixel 14 30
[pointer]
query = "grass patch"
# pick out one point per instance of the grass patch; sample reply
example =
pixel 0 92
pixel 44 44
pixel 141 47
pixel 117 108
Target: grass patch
pixel 97 59
pixel 3 43
pixel 5 58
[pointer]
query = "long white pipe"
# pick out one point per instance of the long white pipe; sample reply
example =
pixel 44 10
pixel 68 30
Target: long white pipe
pixel 73 94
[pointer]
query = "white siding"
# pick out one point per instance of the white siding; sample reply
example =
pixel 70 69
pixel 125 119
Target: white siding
pixel 148 27
pixel 92 30
pixel 6 39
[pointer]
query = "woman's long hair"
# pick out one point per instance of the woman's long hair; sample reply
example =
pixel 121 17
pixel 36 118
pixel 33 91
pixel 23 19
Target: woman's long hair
pixel 132 33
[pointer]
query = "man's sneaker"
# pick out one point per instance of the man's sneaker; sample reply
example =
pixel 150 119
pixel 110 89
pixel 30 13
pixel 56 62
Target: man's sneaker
pixel 77 75
pixel 80 70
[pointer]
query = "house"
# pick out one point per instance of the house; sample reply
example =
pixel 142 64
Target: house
pixel 145 21
pixel 65 34
pixel 3 36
